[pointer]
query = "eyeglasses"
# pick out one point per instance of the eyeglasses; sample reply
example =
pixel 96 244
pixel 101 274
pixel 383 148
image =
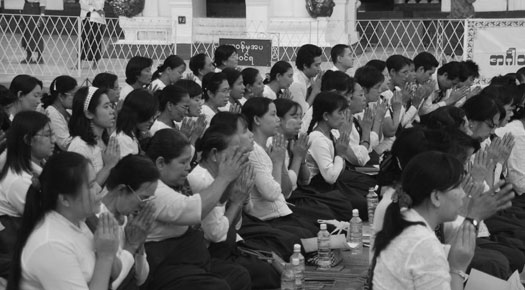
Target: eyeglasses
pixel 48 135
pixel 491 124
pixel 141 199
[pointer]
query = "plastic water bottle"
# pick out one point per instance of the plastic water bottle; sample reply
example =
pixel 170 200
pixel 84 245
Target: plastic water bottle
pixel 288 277
pixel 372 201
pixel 299 268
pixel 323 248
pixel 355 234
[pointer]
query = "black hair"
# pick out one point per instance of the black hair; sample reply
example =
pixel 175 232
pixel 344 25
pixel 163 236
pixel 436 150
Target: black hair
pixel 24 127
pixel 505 94
pixel 249 75
pixel 279 68
pixel 482 107
pixel 166 143
pixel 335 80
pixel 378 64
pixel 133 171
pixel 520 75
pixel 461 142
pixel 519 112
pixel 79 124
pixel 197 62
pixel 306 55
pixel 105 80
pixel 396 62
pixel 326 102
pixel 232 75
pixel 170 94
pixel 426 60
pixel 338 50
pixel 212 82
pixel 192 87
pixel 255 107
pixel 135 66
pixel 368 76
pixel 64 174
pixel 284 106
pixel 59 85
pixel 453 69
pixel 216 137
pixel 471 69
pixel 222 53
pixel 24 84
pixel 138 107
pixel 444 117
pixel 508 79
pixel 172 61
pixel 7 97
pixel 228 119
pixel 424 174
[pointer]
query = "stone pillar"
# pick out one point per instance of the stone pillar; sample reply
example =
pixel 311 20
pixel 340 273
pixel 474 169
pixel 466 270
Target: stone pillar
pixel 183 31
pixel 257 17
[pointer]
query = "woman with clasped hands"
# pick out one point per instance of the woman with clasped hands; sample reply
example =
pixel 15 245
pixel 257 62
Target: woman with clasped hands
pixel 407 253
pixel 56 250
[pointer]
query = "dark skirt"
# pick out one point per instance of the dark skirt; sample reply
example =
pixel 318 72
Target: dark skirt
pixel 91 40
pixel 184 263
pixel 8 237
pixel 32 39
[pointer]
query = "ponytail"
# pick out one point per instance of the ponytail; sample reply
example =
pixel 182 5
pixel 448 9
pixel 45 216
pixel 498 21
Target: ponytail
pixel 60 85
pixel 172 61
pixel 157 72
pixel 313 122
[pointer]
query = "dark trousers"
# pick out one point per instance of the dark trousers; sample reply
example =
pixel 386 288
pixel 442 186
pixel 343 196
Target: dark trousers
pixel 32 40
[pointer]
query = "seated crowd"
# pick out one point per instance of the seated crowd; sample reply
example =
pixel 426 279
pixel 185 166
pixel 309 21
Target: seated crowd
pixel 183 180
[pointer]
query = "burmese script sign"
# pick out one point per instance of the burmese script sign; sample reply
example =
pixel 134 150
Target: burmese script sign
pixel 497 46
pixel 252 52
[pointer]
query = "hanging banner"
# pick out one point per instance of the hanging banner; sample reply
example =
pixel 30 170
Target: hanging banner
pixel 496 45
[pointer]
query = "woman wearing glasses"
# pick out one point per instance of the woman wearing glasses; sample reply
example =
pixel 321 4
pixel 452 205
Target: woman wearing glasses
pixel 483 114
pixel 215 91
pixel 56 104
pixel 134 120
pixel 174 102
pixel 131 186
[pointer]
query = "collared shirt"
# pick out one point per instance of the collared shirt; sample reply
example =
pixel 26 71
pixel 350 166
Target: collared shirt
pixel 429 105
pixel 321 158
pixel 299 89
pixel 174 213
pixel 157 126
pixel 267 200
pixel 55 238
pixel 405 264
pixel 13 191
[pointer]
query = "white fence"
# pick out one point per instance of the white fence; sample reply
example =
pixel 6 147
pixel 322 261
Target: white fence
pixel 63 44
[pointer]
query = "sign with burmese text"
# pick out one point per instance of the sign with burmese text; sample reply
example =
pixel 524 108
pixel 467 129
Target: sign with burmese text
pixel 252 52
pixel 497 46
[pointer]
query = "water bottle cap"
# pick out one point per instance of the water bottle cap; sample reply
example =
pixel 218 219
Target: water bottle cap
pixel 295 261
pixel 323 226
pixel 355 212
pixel 296 248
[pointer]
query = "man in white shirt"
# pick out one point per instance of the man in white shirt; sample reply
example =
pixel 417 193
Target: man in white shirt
pixel 341 55
pixel 308 63
pixel 448 76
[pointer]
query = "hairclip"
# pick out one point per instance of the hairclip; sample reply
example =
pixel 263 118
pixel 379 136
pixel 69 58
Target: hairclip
pixel 91 92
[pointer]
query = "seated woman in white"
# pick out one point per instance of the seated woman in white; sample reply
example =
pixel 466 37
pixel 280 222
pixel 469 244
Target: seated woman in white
pixel 138 75
pixel 174 102
pixel 236 82
pixel 54 230
pixel 134 120
pixel 281 77
pixel 402 248
pixel 173 243
pixel 167 73
pixel 215 92
pixel 30 141
pixel 92 117
pixel 131 187
pixel 57 104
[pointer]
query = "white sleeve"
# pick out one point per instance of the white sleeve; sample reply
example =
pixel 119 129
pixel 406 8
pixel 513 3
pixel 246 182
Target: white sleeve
pixel 267 186
pixel 127 145
pixel 374 141
pixel 127 261
pixel 361 153
pixel 431 274
pixel 141 268
pixel 516 166
pixel 329 167
pixel 61 130
pixel 428 105
pixel 293 179
pixel 65 275
pixel 78 147
pixel 17 192
pixel 215 225
pixel 409 116
pixel 175 208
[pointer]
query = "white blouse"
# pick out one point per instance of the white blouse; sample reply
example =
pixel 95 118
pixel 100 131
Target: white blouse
pixel 128 145
pixel 13 191
pixel 60 127
pixel 157 126
pixel 321 158
pixel 124 91
pixel 174 212
pixel 516 161
pixel 57 239
pixel 93 153
pixel 208 113
pixel 267 200
pixel 405 263
pixel 156 85
pixel 215 225
pixel 269 93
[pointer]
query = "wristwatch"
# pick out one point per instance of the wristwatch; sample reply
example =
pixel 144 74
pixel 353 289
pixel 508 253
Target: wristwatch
pixel 460 273
pixel 474 222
